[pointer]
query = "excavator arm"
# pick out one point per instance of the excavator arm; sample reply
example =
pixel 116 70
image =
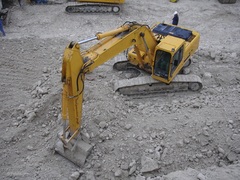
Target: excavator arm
pixel 77 64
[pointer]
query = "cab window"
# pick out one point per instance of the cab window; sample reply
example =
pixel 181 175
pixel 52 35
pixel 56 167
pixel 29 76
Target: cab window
pixel 177 58
pixel 162 61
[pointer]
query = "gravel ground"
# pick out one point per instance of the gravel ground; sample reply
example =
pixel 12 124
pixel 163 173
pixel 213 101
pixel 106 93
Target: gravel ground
pixel 165 136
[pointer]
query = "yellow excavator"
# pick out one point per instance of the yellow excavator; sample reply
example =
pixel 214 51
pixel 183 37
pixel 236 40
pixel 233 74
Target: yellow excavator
pixel 160 51
pixel 227 1
pixel 95 6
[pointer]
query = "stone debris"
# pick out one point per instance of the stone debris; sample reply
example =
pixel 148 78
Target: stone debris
pixel 128 126
pixel 124 166
pixel 186 140
pixel 221 150
pixel 237 150
pixel 41 91
pixel 200 176
pixel 213 54
pixel 148 164
pixel 186 70
pixel 232 156
pixel 180 143
pixel 75 175
pixel 103 124
pixel 30 116
pixel 207 75
pixel 133 167
pixel 164 154
pixel 139 177
pixel 89 175
pixel 157 155
pixel 118 172
pixel 45 70
pixel 205 131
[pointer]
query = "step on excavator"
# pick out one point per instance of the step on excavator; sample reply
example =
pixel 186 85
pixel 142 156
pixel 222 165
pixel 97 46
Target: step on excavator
pixel 95 6
pixel 160 51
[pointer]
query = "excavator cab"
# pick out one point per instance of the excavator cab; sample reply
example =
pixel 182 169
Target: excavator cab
pixel 173 51
pixel 166 64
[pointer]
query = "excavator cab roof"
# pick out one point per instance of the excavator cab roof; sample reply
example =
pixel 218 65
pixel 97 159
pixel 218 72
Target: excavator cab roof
pixel 165 29
pixel 170 44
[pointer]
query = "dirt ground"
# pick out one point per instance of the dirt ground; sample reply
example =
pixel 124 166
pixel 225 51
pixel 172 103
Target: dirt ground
pixel 165 136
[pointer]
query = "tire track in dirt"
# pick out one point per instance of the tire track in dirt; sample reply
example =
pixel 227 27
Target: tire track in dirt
pixel 13 80
pixel 21 68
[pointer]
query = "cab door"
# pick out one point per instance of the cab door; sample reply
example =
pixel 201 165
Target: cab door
pixel 162 64
pixel 177 58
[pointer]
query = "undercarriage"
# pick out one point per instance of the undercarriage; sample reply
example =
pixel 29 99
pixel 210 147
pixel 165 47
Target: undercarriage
pixel 144 84
pixel 93 8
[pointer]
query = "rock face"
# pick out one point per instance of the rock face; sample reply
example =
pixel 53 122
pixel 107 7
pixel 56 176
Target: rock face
pixel 161 136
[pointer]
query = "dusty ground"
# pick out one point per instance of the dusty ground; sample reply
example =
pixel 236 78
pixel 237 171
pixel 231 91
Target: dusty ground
pixel 185 136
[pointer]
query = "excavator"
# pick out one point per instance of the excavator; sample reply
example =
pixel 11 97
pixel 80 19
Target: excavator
pixel 160 51
pixel 95 6
pixel 227 1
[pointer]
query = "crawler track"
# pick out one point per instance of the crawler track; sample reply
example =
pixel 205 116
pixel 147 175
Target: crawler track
pixel 147 85
pixel 93 8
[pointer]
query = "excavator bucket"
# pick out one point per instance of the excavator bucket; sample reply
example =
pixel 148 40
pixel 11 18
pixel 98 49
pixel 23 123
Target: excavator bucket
pixel 75 151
